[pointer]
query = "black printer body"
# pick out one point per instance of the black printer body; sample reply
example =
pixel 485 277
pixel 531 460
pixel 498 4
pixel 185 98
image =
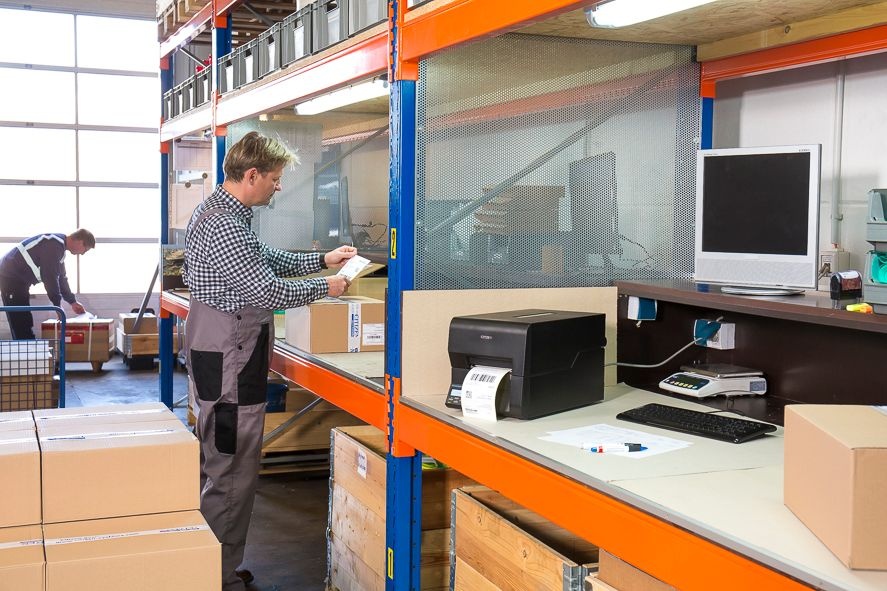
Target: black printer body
pixel 556 358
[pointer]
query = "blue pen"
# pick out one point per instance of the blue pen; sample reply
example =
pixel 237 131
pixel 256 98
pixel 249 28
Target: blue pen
pixel 604 448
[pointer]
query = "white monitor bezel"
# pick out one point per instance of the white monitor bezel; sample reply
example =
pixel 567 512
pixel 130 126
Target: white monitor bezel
pixel 809 260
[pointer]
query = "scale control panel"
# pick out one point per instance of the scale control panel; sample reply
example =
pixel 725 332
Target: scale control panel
pixel 699 386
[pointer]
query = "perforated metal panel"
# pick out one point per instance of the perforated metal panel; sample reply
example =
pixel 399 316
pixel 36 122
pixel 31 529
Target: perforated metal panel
pixel 547 161
pixel 338 194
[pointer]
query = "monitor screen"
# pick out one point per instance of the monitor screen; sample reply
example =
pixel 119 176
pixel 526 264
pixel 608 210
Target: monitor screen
pixel 757 216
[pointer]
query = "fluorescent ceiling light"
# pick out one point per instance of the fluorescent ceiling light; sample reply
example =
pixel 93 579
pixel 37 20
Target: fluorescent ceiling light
pixel 621 13
pixel 349 95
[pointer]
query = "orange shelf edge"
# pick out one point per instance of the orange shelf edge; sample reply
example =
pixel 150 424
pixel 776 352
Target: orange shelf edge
pixel 464 20
pixel 834 47
pixel 171 305
pixel 366 404
pixel 666 551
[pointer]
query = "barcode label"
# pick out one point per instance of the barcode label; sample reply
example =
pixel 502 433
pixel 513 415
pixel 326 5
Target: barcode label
pixel 484 378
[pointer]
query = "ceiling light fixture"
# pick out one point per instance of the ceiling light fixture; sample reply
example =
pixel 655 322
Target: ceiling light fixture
pixel 349 95
pixel 621 13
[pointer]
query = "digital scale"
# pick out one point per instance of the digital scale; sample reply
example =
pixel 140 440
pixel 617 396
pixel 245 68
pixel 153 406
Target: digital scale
pixel 714 379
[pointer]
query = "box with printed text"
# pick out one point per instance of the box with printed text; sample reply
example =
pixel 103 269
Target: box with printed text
pixel 348 324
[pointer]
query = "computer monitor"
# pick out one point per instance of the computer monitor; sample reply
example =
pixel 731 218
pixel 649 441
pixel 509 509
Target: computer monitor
pixel 757 216
pixel 593 205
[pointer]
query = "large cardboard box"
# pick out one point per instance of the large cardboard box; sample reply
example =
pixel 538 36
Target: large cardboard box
pixel 67 418
pixel 169 552
pixel 622 575
pixel 337 325
pixel 85 340
pixel 26 392
pixel 19 478
pixel 21 559
pixel 16 421
pixel 126 321
pixel 498 544
pixel 836 478
pixel 92 471
pixel 357 559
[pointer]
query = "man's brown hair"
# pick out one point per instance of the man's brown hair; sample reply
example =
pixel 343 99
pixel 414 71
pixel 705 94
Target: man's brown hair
pixel 84 236
pixel 256 151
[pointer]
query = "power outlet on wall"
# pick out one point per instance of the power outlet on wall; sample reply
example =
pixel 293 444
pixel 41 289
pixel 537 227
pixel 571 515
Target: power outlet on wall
pixel 830 262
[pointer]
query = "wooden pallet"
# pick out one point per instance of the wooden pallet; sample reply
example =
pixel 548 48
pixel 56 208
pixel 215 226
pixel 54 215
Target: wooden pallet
pixel 172 14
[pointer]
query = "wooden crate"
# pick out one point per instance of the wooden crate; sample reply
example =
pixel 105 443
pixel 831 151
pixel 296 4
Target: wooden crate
pixel 311 431
pixel 131 345
pixel 500 545
pixel 356 533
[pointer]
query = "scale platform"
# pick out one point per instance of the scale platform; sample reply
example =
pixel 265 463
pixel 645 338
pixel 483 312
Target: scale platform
pixel 715 379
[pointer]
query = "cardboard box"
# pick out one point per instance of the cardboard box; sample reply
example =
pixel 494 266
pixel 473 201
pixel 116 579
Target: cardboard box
pixel 369 287
pixel 836 478
pixel 357 514
pixel 85 340
pixel 27 392
pixel 67 418
pixel 16 421
pixel 20 481
pixel 622 575
pixel 529 552
pixel 337 325
pixel 126 321
pixel 118 469
pixel 170 551
pixel 21 558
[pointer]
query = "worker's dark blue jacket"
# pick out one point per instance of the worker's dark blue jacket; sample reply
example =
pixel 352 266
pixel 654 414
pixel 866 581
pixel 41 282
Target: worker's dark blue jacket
pixel 39 258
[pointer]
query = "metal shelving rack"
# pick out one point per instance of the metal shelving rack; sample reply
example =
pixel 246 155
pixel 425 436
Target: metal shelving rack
pixel 691 562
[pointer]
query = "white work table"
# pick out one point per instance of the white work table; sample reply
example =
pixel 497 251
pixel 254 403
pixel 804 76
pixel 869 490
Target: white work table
pixel 728 493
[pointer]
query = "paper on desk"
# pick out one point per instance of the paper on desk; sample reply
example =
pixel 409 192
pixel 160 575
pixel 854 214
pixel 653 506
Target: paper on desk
pixel 353 267
pixel 602 433
pixel 83 317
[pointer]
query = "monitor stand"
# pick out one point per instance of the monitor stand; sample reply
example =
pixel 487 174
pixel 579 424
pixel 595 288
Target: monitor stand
pixel 761 291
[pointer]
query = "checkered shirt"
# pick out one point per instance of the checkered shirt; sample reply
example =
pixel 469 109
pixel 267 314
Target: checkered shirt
pixel 227 267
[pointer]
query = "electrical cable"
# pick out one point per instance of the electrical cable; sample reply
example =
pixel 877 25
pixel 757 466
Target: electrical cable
pixel 661 363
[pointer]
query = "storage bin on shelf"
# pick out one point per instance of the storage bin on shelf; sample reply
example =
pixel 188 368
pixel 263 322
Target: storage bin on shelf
pixel 169 105
pixel 295 35
pixel 329 23
pixel 268 51
pixel 363 14
pixel 229 76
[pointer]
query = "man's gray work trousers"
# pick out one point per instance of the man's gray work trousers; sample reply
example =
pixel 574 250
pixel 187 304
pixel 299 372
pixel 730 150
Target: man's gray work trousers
pixel 228 358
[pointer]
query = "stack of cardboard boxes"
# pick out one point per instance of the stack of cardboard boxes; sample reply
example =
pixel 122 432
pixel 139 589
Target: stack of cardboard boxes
pixel 103 498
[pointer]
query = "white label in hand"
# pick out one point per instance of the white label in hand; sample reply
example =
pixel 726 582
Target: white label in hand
pixel 353 267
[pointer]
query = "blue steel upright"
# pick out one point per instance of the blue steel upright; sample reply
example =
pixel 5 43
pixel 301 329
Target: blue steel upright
pixel 404 474
pixel 164 344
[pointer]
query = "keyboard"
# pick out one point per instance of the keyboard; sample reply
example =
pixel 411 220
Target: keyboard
pixel 696 422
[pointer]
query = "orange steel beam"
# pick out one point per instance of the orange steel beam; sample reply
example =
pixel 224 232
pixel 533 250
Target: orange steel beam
pixel 188 31
pixel 170 304
pixel 223 6
pixel 834 47
pixel 362 402
pixel 666 551
pixel 463 20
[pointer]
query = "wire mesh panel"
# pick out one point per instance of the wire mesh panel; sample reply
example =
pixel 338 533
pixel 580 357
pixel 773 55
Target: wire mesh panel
pixel 338 193
pixel 27 375
pixel 549 161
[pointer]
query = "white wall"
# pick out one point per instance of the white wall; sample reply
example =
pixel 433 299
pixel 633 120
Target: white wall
pixel 802 106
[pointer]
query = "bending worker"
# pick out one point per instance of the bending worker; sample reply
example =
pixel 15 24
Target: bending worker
pixel 36 259
pixel 235 283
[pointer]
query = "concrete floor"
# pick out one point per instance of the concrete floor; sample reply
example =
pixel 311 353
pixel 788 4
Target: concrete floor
pixel 286 547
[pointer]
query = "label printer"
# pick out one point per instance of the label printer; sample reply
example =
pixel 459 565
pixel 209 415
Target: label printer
pixel 556 358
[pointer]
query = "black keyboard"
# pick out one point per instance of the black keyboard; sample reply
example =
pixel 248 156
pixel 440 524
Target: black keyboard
pixel 696 422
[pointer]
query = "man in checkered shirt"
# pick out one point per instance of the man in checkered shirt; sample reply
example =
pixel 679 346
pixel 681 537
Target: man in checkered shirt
pixel 235 283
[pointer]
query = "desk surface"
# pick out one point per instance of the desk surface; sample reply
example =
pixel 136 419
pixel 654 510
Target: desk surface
pixel 727 493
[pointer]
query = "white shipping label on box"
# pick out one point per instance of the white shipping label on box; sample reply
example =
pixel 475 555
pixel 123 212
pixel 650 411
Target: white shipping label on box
pixel 353 327
pixel 373 334
pixel 479 392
